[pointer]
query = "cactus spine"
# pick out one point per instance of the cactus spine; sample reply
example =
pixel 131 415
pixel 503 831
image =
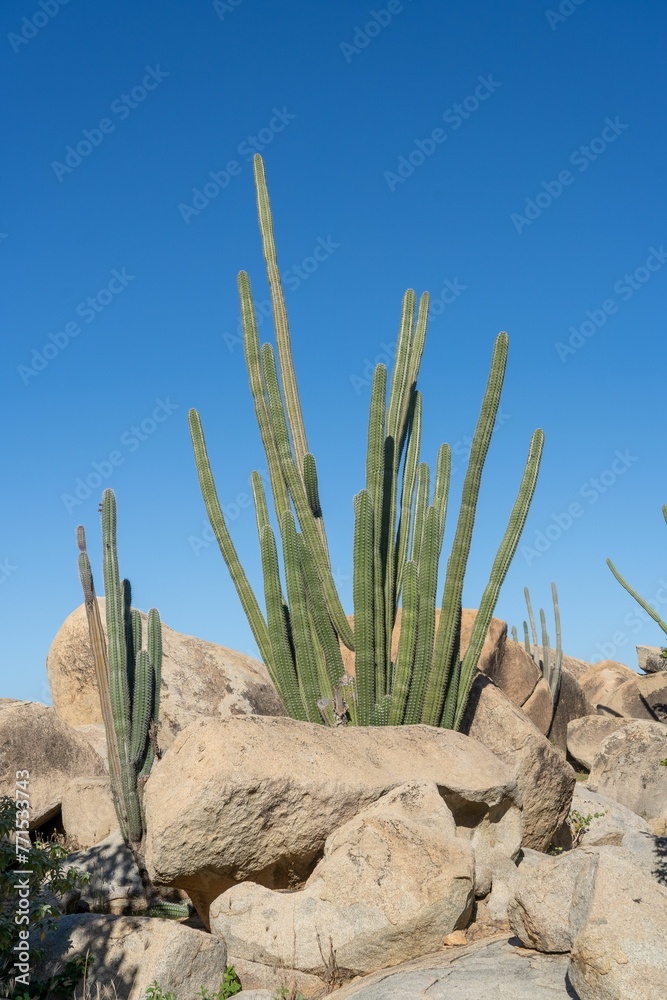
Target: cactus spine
pixel 398 536
pixel 128 678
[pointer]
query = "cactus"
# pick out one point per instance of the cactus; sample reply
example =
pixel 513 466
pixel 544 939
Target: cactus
pixel 640 600
pixel 398 536
pixel 552 668
pixel 128 678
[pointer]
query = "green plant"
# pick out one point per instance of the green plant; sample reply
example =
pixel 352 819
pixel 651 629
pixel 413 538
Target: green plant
pixel 229 987
pixel 283 993
pixel 663 762
pixel 398 536
pixel 551 667
pixel 128 679
pixel 155 992
pixel 640 600
pixel 37 869
pixel 580 824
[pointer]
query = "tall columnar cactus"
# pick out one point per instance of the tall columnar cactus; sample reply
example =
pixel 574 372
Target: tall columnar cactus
pixel 640 600
pixel 551 667
pixel 128 678
pixel 398 537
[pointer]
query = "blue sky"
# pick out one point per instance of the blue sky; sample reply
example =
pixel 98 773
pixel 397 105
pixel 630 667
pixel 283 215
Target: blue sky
pixel 508 158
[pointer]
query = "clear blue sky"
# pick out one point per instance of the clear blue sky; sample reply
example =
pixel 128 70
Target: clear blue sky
pixel 508 158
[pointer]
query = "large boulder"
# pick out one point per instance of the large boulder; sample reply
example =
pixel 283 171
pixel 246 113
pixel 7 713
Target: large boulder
pixel 38 747
pixel 392 882
pixel 642 698
pixel 620 949
pixel 540 707
pixel 515 672
pixel 651 660
pixel 572 704
pixel 601 680
pixel 199 679
pixel 586 735
pixel 115 884
pixel 131 952
pixel 628 769
pixel 545 780
pixel 254 799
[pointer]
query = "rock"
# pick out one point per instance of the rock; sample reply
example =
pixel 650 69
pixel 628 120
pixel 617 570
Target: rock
pixel 199 679
pixel 254 798
pixel 88 812
pixel 256 995
pixel 572 704
pixel 515 673
pixel 255 976
pixel 642 698
pixel 115 884
pixel 392 881
pixel 611 824
pixel 586 735
pixel 600 682
pixel 131 952
pixel 539 707
pixel 95 734
pixel 35 740
pixel 628 769
pixel 619 950
pixel 545 780
pixel 576 667
pixel 488 968
pixel 650 659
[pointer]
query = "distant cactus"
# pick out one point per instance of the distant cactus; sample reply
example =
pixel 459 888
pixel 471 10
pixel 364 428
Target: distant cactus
pixel 640 600
pixel 551 667
pixel 398 536
pixel 128 678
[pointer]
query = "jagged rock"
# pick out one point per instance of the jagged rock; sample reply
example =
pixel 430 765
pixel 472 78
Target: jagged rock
pixel 131 952
pixel 255 798
pixel 392 881
pixel 650 659
pixel 642 698
pixel 545 780
pixel 199 679
pixel 88 812
pixel 35 740
pixel 586 735
pixel 628 769
pixel 600 682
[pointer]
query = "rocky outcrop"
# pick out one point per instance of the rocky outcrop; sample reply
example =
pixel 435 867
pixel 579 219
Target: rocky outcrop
pixel 651 660
pixel 35 741
pixel 254 799
pixel 199 679
pixel 600 682
pixel 586 735
pixel 572 704
pixel 629 770
pixel 642 698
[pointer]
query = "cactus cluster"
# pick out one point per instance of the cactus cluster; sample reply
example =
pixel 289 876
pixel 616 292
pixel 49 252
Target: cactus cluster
pixel 128 677
pixel 398 536
pixel 551 666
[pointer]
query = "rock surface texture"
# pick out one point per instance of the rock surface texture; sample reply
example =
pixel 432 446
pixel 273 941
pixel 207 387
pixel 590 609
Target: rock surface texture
pixel 586 735
pixel 628 769
pixel 601 680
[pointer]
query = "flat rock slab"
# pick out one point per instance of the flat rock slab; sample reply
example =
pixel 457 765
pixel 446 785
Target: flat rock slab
pixel 488 969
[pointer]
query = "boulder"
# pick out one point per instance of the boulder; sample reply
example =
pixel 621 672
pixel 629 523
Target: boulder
pixel 199 679
pixel 392 882
pixel 539 707
pixel 576 667
pixel 34 740
pixel 515 673
pixel 619 949
pixel 115 883
pixel 544 778
pixel 586 735
pixel 88 812
pixel 628 769
pixel 277 983
pixel 572 704
pixel 96 735
pixel 254 798
pixel 642 698
pixel 651 660
pixel 131 952
pixel 600 682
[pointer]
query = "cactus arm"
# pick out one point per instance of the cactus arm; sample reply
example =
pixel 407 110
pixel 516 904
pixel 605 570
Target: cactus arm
pixel 515 634
pixel 399 392
pixel 142 703
pixel 259 497
pixel 284 670
pixel 311 484
pixel 499 570
pixel 217 521
pixel 417 708
pixel 526 639
pixel 421 505
pixel 253 364
pixel 445 655
pixel 374 486
pixel 305 662
pixel 155 658
pixel 443 470
pixel 136 631
pixel 324 630
pixel 546 648
pixel 416 352
pixel 288 376
pixel 406 645
pixel 365 666
pixel 408 491
pixel 531 619
pixel 118 685
pixel 556 676
pixel 640 600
